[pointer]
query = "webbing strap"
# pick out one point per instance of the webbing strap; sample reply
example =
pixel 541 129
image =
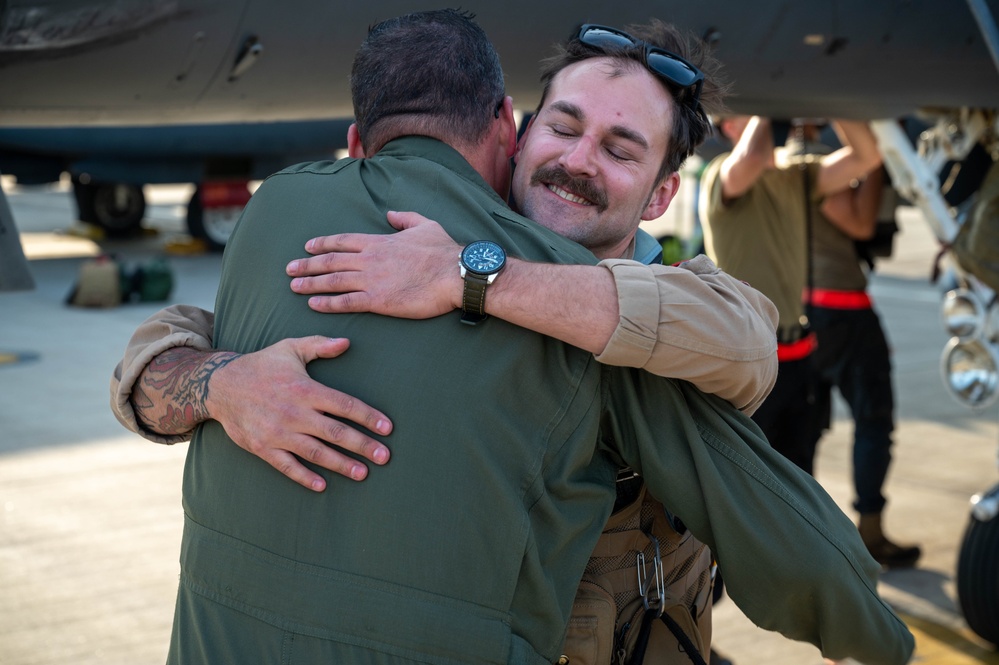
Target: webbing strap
pixel 685 643
pixel 638 653
pixel 613 544
pixel 642 644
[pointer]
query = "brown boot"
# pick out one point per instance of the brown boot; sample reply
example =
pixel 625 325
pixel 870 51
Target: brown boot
pixel 884 551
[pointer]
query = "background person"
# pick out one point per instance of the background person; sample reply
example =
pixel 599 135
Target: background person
pixel 755 212
pixel 853 355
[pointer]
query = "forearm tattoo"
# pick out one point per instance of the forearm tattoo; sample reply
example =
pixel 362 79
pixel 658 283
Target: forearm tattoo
pixel 179 380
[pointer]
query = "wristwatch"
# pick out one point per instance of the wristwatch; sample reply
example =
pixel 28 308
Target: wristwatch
pixel 479 262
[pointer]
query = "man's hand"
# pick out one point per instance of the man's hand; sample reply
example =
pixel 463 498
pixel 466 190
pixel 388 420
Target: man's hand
pixel 412 274
pixel 271 407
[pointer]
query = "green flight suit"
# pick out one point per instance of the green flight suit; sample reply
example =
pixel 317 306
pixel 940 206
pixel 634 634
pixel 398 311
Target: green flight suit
pixel 468 546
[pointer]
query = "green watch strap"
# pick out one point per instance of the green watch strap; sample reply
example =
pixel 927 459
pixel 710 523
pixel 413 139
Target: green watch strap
pixel 473 299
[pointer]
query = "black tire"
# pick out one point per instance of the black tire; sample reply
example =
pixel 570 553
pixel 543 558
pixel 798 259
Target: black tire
pixel 978 577
pixel 215 234
pixel 118 208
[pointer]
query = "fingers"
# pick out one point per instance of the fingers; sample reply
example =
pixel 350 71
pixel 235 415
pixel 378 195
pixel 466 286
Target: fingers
pixel 289 463
pixel 337 282
pixel 291 418
pixel 325 400
pixel 290 466
pixel 288 457
pixel 406 220
pixel 316 449
pixel 357 242
pixel 317 346
pixel 315 277
pixel 342 405
pixel 341 242
pixel 328 262
pixel 341 304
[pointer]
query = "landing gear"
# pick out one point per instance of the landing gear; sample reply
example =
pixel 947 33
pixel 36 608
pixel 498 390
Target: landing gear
pixel 118 208
pixel 214 209
pixel 969 359
pixel 978 568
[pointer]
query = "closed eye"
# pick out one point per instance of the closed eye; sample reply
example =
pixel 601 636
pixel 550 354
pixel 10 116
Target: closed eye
pixel 618 154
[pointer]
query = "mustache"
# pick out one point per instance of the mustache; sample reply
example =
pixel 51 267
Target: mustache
pixel 554 175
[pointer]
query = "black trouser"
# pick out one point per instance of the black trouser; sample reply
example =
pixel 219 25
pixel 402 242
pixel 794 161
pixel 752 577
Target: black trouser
pixel 853 356
pixel 788 416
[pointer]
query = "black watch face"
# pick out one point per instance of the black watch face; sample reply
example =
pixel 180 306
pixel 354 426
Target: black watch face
pixel 483 257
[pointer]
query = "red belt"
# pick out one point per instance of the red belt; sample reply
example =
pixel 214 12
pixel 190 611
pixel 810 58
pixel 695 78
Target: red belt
pixel 838 299
pixel 796 350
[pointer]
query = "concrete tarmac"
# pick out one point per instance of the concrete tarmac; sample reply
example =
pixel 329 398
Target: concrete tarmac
pixel 90 515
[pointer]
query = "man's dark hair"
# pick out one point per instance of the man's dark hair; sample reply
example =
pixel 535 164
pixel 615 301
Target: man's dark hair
pixel 690 118
pixel 432 73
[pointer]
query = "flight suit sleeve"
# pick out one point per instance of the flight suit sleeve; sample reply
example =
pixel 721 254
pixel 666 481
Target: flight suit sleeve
pixel 792 560
pixel 174 326
pixel 696 323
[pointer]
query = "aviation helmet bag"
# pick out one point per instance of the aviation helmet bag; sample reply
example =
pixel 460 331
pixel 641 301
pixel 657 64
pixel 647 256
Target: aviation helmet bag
pixel 645 595
pixel 976 246
pixel 99 284
pixel 151 281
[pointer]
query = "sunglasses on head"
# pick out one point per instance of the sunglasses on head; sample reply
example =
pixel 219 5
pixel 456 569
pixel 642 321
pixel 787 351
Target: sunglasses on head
pixel 668 65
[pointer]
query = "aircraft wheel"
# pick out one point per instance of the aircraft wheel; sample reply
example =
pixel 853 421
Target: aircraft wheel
pixel 214 224
pixel 209 226
pixel 978 577
pixel 118 208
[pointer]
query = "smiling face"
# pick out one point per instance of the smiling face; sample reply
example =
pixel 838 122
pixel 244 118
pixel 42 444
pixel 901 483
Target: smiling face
pixel 588 163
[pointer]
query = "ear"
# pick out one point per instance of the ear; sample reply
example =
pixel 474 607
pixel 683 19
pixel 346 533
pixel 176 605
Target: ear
pixel 661 197
pixel 523 137
pixel 354 147
pixel 509 135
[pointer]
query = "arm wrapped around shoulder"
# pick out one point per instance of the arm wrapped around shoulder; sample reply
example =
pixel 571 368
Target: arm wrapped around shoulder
pixel 696 323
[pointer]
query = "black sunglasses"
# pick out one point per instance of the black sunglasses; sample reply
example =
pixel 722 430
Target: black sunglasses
pixel 670 66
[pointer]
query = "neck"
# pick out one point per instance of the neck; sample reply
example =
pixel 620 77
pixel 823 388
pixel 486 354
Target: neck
pixel 625 249
pixel 484 161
